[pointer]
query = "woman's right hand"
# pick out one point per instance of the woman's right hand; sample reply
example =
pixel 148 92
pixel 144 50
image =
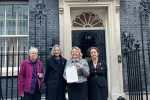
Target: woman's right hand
pixel 22 95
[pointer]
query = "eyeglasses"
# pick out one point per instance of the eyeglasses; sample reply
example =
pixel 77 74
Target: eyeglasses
pixel 34 53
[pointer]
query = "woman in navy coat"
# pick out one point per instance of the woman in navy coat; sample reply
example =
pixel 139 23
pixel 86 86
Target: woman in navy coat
pixel 97 81
pixel 54 80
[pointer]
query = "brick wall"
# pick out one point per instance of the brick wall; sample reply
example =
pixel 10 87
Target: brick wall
pixel 44 26
pixel 130 22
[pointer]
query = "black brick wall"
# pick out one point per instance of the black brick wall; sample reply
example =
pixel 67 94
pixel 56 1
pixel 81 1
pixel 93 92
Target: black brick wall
pixel 130 22
pixel 49 24
pixel 43 25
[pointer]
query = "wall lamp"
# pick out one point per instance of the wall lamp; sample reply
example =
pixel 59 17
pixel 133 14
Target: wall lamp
pixel 92 0
pixel 128 43
pixel 145 7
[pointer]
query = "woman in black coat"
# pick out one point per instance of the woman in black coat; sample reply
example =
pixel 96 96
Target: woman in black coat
pixel 54 80
pixel 97 81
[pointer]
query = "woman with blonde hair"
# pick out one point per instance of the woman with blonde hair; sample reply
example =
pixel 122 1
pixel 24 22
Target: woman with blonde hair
pixel 78 90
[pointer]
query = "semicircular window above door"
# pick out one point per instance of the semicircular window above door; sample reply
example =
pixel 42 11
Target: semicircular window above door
pixel 87 20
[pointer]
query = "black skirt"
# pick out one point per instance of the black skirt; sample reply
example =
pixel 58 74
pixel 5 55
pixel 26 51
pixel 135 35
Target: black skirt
pixel 77 91
pixel 97 92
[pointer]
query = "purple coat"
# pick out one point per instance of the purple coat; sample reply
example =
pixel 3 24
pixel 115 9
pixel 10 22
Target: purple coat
pixel 25 75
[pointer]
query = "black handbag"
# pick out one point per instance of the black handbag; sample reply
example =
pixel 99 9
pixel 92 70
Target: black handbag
pixel 43 86
pixel 121 98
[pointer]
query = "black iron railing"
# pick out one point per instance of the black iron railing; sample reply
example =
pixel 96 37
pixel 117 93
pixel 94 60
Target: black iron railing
pixel 9 68
pixel 138 58
pixel 137 73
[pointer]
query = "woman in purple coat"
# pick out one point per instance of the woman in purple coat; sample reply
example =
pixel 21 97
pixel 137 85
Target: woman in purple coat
pixel 29 78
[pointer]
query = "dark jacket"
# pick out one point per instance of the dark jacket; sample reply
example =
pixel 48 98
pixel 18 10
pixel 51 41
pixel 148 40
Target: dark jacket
pixel 98 74
pixel 54 80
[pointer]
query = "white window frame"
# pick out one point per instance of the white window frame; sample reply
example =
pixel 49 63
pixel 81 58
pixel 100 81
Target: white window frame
pixel 4 69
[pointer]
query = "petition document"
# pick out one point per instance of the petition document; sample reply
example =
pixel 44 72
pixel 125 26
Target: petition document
pixel 71 74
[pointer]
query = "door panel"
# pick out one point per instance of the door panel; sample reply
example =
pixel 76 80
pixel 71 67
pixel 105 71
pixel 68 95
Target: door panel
pixel 84 39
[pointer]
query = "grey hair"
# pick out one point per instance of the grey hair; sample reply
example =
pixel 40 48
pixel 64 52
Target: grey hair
pixel 52 51
pixel 32 48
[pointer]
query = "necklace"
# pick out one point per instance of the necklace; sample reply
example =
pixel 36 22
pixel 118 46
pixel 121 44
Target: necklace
pixel 95 63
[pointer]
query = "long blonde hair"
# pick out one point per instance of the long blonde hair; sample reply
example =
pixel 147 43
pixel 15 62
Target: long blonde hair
pixel 77 48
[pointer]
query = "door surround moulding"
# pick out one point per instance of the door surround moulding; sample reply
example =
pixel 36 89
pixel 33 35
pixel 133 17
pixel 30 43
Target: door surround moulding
pixel 112 37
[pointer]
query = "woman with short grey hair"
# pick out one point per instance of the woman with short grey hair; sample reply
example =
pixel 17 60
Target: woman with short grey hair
pixel 54 80
pixel 30 75
pixel 33 48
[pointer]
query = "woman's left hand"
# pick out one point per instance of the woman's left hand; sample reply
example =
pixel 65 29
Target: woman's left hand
pixel 78 64
pixel 40 75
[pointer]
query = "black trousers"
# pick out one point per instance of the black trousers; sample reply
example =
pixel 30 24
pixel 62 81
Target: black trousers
pixel 35 96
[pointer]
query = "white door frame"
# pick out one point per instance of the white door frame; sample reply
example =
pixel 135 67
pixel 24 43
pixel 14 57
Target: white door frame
pixel 112 37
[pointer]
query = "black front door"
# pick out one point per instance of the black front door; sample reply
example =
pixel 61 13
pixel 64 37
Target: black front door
pixel 84 39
